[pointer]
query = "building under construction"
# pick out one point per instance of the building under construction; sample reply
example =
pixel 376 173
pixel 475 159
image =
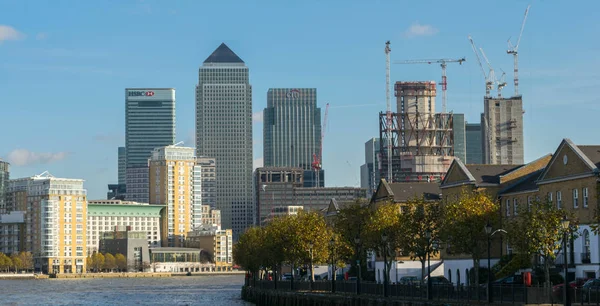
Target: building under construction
pixel 502 128
pixel 422 141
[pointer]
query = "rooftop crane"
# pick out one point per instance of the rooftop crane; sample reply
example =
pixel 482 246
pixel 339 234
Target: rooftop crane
pixel 388 113
pixel 489 83
pixel 514 51
pixel 317 160
pixel 492 76
pixel 443 63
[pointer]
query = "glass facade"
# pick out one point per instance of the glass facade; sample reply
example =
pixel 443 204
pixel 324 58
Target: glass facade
pixel 460 141
pixel 369 171
pixel 474 143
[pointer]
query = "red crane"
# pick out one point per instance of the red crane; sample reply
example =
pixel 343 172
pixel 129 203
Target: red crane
pixel 316 164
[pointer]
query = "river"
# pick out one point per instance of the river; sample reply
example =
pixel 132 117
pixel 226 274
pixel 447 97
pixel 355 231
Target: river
pixel 190 290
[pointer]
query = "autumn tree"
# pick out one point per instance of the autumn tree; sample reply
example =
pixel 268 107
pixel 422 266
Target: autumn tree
pixel 464 225
pixel 537 231
pixel 26 260
pixel 109 262
pixel 5 262
pixel 16 261
pixel 349 224
pixel 247 252
pixel 121 262
pixel 419 217
pixel 274 245
pixel 89 263
pixel 97 261
pixel 384 222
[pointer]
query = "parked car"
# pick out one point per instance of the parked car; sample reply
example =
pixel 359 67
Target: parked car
pixel 557 290
pixel 591 290
pixel 440 280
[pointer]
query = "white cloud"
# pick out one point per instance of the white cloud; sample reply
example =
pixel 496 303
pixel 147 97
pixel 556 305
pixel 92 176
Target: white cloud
pixel 41 36
pixel 9 33
pixel 257 117
pixel 417 29
pixel 24 157
pixel 258 163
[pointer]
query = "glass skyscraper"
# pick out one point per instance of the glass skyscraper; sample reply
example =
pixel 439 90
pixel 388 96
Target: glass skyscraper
pixel 369 171
pixel 458 129
pixel 474 143
pixel 224 132
pixel 149 124
pixel 292 130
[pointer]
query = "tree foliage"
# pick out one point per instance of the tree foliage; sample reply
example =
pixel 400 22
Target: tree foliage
pixel 384 220
pixel 97 261
pixel 350 223
pixel 109 262
pixel 121 262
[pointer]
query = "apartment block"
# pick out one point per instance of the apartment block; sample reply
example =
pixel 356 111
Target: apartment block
pixel 12 232
pixel 218 243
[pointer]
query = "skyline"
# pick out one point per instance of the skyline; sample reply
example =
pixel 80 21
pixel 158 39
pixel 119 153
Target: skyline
pixel 79 58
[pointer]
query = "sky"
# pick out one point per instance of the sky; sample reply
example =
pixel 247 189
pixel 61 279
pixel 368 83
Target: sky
pixel 64 66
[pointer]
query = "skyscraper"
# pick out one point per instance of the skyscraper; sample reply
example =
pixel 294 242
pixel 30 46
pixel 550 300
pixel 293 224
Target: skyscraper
pixel 474 143
pixel 502 126
pixel 122 167
pixel 4 174
pixel 224 131
pixel 292 130
pixel 369 172
pixel 459 137
pixel 149 124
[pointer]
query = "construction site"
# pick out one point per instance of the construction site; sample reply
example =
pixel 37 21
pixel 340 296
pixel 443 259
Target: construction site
pixel 418 144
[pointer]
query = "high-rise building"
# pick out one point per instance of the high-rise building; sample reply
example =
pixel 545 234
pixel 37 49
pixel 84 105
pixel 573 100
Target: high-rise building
pixel 122 167
pixel 55 221
pixel 502 126
pixel 292 130
pixel 4 176
pixel 459 136
pixel 149 124
pixel 209 182
pixel 176 180
pixel 474 143
pixel 369 171
pixel 224 131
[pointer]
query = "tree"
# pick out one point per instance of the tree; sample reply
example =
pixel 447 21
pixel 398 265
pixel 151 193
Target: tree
pixel 121 262
pixel 5 262
pixel 384 220
pixel 349 224
pixel 537 230
pixel 464 225
pixel 26 260
pixel 16 261
pixel 109 262
pixel 248 250
pixel 98 261
pixel 89 262
pixel 418 217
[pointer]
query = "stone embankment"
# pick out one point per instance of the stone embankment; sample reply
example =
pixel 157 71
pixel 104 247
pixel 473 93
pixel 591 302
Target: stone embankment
pixel 111 275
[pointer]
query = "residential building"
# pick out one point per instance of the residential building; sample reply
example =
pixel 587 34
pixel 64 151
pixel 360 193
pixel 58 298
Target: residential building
pixel 132 244
pixel 224 132
pixel 55 221
pixel 149 124
pixel 281 211
pixel 369 171
pixel 122 166
pixel 4 177
pixel 12 232
pixel 474 142
pixel 105 215
pixel 502 125
pixel 208 168
pixel 176 179
pixel 217 243
pixel 210 217
pixel 292 130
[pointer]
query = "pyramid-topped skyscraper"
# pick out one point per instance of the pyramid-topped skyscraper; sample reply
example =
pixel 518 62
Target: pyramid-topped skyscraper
pixel 224 131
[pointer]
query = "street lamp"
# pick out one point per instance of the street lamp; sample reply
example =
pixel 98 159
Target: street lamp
pixel 565 226
pixel 357 242
pixel 332 245
pixel 427 253
pixel 312 274
pixel 488 231
pixel 384 238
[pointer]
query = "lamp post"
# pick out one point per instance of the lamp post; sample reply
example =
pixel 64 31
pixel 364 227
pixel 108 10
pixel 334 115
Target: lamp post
pixel 357 242
pixel 385 276
pixel 488 231
pixel 332 245
pixel 565 226
pixel 428 236
pixel 312 274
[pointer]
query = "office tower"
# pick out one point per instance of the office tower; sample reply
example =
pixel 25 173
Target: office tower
pixel 4 176
pixel 459 136
pixel 224 131
pixel 502 125
pixel 174 180
pixel 56 221
pixel 474 143
pixel 122 167
pixel 292 130
pixel 422 140
pixel 149 124
pixel 369 171
pixel 209 182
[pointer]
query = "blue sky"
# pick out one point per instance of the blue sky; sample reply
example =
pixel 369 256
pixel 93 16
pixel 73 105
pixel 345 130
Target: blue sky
pixel 64 65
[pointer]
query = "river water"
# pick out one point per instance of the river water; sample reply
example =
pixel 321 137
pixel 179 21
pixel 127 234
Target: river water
pixel 190 290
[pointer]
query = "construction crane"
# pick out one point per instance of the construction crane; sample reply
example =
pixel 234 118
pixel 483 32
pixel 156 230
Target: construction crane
pixel 388 114
pixel 501 83
pixel 489 82
pixel 443 63
pixel 317 160
pixel 514 51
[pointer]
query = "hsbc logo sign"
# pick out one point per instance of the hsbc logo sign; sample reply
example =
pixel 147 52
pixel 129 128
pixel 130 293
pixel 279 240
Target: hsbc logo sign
pixel 141 93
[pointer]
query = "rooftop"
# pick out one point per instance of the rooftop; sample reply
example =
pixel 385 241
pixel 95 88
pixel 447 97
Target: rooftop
pixel 592 152
pixel 489 174
pixel 405 191
pixel 223 55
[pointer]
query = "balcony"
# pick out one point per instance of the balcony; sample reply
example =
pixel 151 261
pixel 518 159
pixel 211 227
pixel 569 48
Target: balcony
pixel 585 258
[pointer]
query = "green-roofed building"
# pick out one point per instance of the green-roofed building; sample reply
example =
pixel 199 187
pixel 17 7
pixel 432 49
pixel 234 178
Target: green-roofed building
pixel 105 215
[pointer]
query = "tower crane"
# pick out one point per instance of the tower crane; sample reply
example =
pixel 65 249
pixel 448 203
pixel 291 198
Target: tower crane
pixel 514 51
pixel 443 63
pixel 492 76
pixel 317 160
pixel 388 113
pixel 489 82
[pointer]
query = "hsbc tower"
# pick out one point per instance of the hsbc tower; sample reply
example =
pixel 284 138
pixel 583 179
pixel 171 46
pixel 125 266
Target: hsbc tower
pixel 149 124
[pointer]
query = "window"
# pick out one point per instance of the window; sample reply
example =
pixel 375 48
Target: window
pixel 585 197
pixel 559 200
pixel 575 198
pixel 550 197
pixel 515 207
pixel 508 208
pixel 529 200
